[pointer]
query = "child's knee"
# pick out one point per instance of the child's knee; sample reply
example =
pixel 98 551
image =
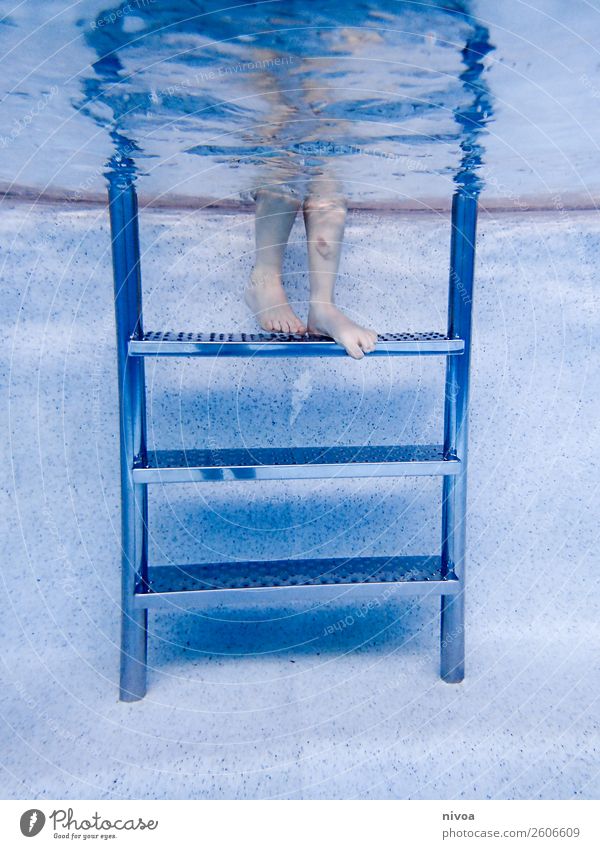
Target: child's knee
pixel 279 194
pixel 327 217
pixel 334 208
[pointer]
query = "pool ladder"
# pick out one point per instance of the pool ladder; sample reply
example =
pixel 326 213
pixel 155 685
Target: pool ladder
pixel 153 587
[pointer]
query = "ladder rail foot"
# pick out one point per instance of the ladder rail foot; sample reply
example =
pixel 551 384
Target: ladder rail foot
pixel 134 653
pixel 452 638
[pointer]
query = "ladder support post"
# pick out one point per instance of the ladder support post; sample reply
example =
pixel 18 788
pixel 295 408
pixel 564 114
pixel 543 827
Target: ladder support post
pixel 456 425
pixel 132 429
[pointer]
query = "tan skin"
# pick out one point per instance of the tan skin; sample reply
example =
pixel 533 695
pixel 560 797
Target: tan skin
pixel 324 211
pixel 294 112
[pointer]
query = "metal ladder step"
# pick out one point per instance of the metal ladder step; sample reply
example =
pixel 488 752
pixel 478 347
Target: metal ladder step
pixel 286 580
pixel 245 464
pixel 169 343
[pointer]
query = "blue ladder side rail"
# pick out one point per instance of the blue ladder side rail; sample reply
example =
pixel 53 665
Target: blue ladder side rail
pixel 147 587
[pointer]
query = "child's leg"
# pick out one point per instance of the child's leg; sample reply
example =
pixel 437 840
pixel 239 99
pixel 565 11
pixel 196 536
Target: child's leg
pixel 325 217
pixel 275 213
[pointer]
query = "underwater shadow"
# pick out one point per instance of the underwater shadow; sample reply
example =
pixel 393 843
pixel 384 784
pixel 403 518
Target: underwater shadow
pixel 295 631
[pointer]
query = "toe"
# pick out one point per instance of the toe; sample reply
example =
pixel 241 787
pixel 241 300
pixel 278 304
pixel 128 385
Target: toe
pixel 355 352
pixel 365 343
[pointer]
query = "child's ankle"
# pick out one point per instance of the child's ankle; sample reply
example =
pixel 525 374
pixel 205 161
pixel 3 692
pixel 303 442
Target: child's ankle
pixel 267 279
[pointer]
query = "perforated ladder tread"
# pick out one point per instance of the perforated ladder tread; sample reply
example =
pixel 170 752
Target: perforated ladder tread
pixel 170 343
pixel 245 464
pixel 167 585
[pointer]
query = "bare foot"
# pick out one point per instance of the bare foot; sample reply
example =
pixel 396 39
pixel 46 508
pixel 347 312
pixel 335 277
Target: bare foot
pixel 327 320
pixel 269 303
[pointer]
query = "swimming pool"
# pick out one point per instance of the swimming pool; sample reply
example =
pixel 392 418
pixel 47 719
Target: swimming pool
pixel 394 95
pixel 350 686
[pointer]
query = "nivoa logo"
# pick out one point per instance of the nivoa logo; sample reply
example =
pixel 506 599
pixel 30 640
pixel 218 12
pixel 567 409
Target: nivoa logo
pixel 453 815
pixel 32 822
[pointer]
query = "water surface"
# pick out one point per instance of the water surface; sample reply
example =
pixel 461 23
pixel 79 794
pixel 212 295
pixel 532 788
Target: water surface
pixel 401 99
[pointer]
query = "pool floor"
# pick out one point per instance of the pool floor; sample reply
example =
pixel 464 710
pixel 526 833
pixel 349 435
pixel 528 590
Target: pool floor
pixel 343 700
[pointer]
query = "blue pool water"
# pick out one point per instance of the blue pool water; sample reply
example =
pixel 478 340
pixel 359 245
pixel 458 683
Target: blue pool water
pixel 397 96
pixel 284 89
